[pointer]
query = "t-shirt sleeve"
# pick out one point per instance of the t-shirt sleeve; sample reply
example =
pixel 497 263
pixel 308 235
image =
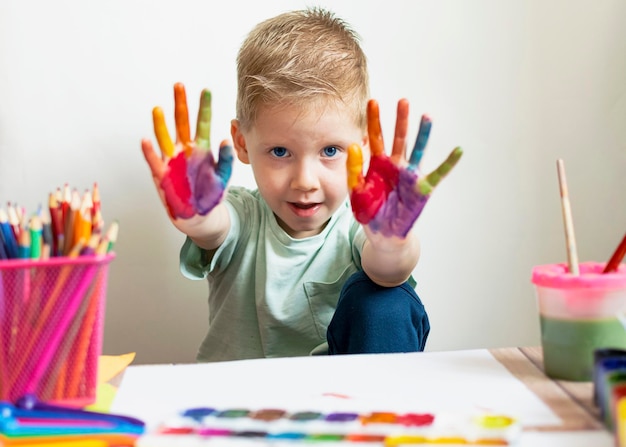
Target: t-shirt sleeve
pixel 193 260
pixel 358 240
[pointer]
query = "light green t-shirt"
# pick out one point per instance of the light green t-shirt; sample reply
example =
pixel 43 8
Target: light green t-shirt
pixel 271 295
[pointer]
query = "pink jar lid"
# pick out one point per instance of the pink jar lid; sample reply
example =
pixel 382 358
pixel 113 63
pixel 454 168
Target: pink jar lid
pixel 557 276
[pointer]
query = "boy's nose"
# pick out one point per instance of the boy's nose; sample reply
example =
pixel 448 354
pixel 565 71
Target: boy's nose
pixel 305 178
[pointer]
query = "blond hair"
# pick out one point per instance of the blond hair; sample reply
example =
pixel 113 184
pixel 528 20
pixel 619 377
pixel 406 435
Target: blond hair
pixel 301 57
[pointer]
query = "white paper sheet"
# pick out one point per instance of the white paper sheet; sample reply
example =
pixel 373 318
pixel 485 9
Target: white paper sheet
pixel 433 382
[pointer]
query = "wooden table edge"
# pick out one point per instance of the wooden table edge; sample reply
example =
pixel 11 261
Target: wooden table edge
pixel 569 402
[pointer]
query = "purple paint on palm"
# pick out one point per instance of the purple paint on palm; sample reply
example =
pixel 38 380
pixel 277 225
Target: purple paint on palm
pixel 207 188
pixel 195 184
pixel 401 209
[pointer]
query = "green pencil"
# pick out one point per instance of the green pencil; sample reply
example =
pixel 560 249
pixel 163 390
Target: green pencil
pixel 36 232
pixel 112 235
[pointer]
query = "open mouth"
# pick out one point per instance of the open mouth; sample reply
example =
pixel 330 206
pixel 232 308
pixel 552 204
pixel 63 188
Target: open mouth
pixel 304 206
pixel 304 209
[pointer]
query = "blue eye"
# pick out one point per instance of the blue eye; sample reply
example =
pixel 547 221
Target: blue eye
pixel 330 151
pixel 279 151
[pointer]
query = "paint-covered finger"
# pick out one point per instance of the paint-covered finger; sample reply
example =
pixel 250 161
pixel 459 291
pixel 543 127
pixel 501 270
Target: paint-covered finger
pixel 373 128
pixel 162 135
pixel 177 188
pixel 224 167
pixel 157 167
pixel 426 184
pixel 181 114
pixel 398 149
pixel 354 165
pixel 420 142
pixel 203 125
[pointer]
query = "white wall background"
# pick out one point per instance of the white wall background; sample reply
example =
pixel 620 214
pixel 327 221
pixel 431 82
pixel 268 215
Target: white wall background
pixel 517 84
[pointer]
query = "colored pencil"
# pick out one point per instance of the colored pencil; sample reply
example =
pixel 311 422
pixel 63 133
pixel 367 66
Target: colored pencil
pixel 82 223
pixel 56 221
pixel 10 242
pixel 41 238
pixel 570 238
pixel 20 212
pixel 91 246
pixel 14 220
pixel 98 244
pixel 617 257
pixel 3 251
pixel 47 236
pixel 58 382
pixel 59 286
pixel 70 217
pixel 70 222
pixel 71 226
pixel 95 199
pixel 97 223
pixel 33 375
pixel 6 307
pixel 24 244
pixel 66 201
pixel 35 228
pixel 83 340
pixel 108 241
pixel 112 234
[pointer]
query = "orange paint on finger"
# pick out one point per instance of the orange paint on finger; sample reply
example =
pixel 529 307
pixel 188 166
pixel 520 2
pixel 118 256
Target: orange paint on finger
pixel 181 114
pixel 373 128
pixel 398 150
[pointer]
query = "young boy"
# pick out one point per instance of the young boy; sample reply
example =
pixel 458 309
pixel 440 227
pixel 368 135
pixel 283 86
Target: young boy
pixel 291 271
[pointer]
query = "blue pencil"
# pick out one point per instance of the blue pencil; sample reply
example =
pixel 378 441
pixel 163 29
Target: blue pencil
pixel 3 251
pixel 7 232
pixel 23 245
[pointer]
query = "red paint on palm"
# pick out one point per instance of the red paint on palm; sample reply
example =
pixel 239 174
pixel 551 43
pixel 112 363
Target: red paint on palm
pixel 369 196
pixel 175 185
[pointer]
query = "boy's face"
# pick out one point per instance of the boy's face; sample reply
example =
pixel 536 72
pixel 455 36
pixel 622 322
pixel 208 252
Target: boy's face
pixel 298 156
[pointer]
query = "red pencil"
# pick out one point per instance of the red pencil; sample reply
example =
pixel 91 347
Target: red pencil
pixel 617 257
pixel 95 200
pixel 56 219
pixel 65 203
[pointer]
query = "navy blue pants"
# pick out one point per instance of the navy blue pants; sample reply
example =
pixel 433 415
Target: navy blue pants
pixel 374 319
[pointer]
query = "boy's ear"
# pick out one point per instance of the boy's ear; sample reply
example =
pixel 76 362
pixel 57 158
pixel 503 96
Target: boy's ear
pixel 239 141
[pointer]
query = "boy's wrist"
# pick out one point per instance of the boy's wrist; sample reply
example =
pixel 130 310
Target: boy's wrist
pixel 391 244
pixel 207 231
pixel 389 261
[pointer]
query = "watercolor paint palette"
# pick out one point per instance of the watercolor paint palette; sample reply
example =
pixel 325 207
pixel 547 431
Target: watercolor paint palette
pixel 275 427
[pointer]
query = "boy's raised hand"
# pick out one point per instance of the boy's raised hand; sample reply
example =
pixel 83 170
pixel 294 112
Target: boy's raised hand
pixel 391 196
pixel 187 177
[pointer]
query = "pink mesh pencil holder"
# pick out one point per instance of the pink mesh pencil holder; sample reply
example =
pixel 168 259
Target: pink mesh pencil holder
pixel 51 326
